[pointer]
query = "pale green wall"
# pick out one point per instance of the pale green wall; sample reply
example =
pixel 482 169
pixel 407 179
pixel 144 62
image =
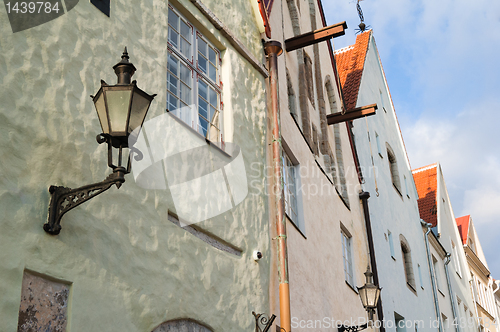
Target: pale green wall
pixel 131 269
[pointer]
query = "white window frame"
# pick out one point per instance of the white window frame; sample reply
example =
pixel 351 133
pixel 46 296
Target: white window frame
pixel 196 100
pixel 346 240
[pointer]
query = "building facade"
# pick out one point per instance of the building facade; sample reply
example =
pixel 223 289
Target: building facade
pixel 122 261
pixel 481 282
pixel 326 236
pixel 453 278
pixel 399 247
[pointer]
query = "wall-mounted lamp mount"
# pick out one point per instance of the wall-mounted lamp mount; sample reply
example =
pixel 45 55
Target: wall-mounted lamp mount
pixel 121 109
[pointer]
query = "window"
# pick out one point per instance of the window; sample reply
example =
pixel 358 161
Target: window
pixel 471 245
pixel 407 263
pixel 456 260
pixel 379 149
pixel 445 322
pixel 339 170
pixel 420 276
pixel 194 89
pixel 290 189
pixel 393 167
pixel 437 274
pixel 406 187
pixel 347 255
pixel 391 244
pixel 399 321
pixel 382 100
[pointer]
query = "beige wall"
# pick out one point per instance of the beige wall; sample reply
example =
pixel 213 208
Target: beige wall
pixel 319 292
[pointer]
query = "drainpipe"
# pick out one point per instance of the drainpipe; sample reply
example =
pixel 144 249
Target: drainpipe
pixel 450 290
pixel 364 195
pixel 431 269
pixel 273 50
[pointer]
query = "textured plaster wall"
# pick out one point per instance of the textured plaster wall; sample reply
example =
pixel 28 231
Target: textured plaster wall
pixel 130 268
pixel 317 285
pixel 391 211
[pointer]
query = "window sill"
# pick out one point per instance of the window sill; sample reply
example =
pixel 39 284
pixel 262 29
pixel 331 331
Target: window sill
pixel 412 288
pixel 392 256
pixel 296 227
pixel 458 274
pixel 351 287
pixel 381 155
pixel 397 190
pixel 440 291
pixel 212 144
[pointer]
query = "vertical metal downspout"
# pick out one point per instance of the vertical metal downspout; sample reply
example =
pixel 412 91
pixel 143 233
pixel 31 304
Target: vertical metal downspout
pixel 452 296
pixel 273 50
pixel 364 195
pixel 431 269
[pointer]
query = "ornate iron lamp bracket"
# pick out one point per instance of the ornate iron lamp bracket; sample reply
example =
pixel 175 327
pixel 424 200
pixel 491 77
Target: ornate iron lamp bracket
pixel 344 328
pixel 63 199
pixel 264 321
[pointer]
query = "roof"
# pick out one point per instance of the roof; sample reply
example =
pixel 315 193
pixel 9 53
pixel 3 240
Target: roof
pixel 350 63
pixel 463 227
pixel 426 182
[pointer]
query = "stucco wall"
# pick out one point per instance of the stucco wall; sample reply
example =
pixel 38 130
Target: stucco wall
pixel 129 267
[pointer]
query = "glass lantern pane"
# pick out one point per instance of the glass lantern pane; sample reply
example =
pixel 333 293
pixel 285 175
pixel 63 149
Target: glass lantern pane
pixel 118 103
pixel 140 105
pixel 100 107
pixel 371 295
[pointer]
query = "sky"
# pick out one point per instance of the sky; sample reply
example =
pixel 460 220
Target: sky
pixel 441 63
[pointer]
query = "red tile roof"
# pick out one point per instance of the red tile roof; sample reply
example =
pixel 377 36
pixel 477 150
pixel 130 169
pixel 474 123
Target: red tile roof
pixel 463 227
pixel 350 62
pixel 426 183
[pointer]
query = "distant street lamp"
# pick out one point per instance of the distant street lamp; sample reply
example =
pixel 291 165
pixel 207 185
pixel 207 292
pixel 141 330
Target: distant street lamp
pixel 121 108
pixel 370 295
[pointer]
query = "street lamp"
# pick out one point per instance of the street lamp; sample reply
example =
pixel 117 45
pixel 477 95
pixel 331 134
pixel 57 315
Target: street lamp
pixel 370 295
pixel 121 108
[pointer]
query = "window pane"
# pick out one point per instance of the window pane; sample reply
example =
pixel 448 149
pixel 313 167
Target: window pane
pixel 186 75
pixel 213 73
pixel 171 103
pixel 185 48
pixel 203 126
pixel 185 31
pixel 202 63
pixel 213 114
pixel 202 47
pixel 172 84
pixel 172 64
pixel 211 55
pixel 173 19
pixel 202 89
pixel 213 98
pixel 185 94
pixel 173 37
pixel 202 108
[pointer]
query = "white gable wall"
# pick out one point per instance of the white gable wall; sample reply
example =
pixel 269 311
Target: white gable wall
pixel 391 211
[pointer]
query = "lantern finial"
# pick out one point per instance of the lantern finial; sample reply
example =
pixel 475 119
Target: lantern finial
pixel 124 69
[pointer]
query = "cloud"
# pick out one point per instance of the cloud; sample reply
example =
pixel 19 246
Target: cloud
pixel 440 61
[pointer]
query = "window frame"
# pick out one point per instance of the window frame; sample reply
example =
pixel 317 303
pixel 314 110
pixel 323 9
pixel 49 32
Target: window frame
pixel 204 112
pixel 347 257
